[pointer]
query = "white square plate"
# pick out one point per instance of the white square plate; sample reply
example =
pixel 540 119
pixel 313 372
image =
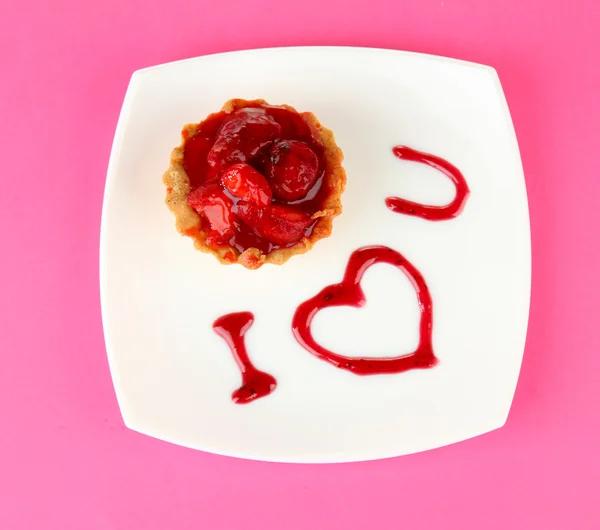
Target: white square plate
pixel 174 376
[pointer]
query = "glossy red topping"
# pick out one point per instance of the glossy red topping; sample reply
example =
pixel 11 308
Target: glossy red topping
pixel 194 159
pixel 244 182
pixel 211 203
pixel 276 223
pixel 256 176
pixel 242 137
pixel 292 169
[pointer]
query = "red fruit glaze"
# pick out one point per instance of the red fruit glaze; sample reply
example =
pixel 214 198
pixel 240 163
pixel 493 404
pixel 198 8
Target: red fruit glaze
pixel 281 225
pixel 292 169
pixel 238 147
pixel 194 159
pixel 284 224
pixel 244 182
pixel 350 293
pixel 241 138
pixel 196 148
pixel 432 213
pixel 255 383
pixel 213 205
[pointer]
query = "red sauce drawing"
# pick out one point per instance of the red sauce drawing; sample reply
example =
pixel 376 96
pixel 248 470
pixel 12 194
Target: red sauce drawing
pixel 255 383
pixel 349 293
pixel 431 213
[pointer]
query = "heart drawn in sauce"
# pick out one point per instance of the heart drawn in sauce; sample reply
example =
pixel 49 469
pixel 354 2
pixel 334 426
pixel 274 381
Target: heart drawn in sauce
pixel 349 293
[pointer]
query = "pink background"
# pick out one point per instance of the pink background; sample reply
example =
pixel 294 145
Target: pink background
pixel 66 460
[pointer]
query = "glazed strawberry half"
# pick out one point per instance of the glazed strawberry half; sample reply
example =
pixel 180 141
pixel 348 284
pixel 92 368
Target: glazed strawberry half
pixel 255 183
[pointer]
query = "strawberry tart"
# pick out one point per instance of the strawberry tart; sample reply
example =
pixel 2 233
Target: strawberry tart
pixel 255 183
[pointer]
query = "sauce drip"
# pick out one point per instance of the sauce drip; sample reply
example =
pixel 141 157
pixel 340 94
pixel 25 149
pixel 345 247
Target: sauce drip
pixel 255 383
pixel 350 293
pixel 431 213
